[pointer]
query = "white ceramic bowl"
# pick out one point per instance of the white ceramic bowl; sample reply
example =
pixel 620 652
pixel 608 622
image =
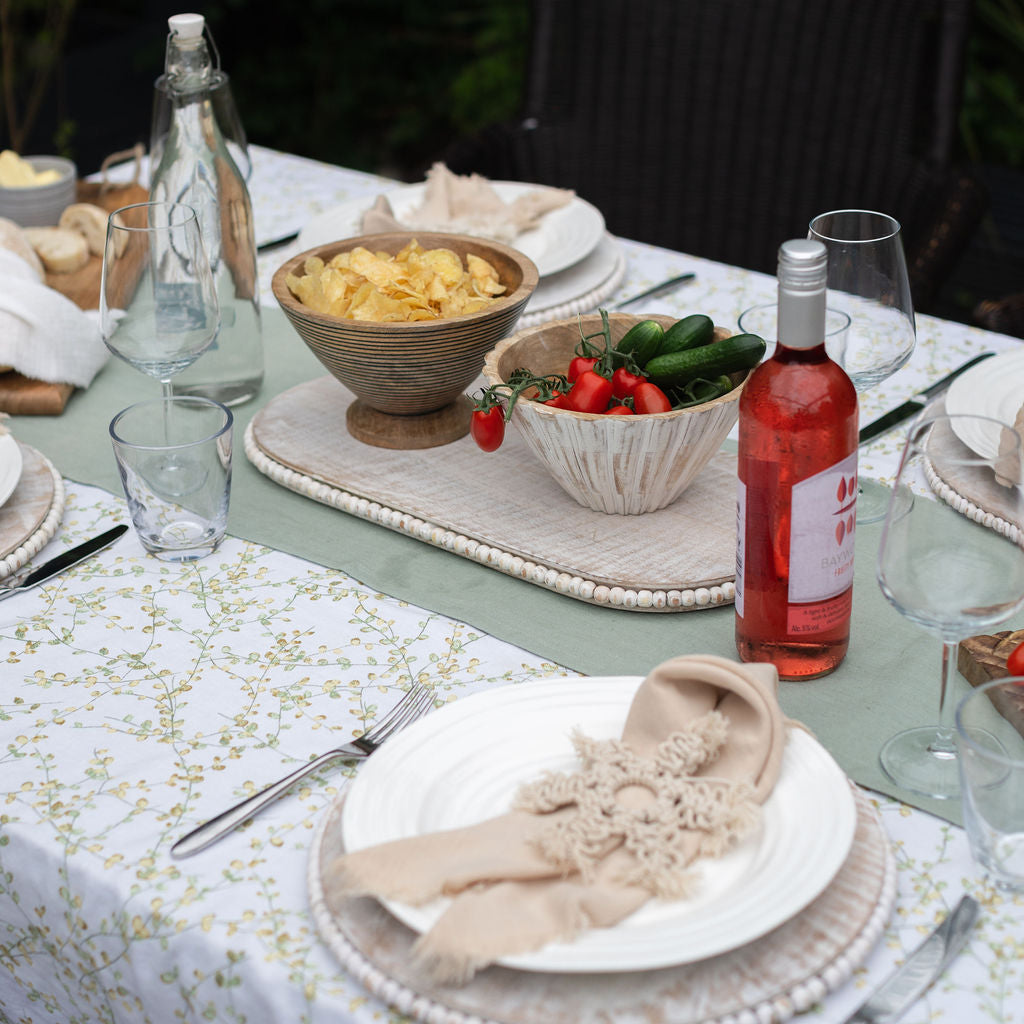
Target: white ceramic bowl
pixel 41 205
pixel 621 465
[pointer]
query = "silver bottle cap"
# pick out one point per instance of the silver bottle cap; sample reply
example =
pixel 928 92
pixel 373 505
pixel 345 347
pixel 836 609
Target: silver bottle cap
pixel 803 274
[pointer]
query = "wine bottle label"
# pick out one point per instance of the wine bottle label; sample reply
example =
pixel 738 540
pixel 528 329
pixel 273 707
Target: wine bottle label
pixel 821 537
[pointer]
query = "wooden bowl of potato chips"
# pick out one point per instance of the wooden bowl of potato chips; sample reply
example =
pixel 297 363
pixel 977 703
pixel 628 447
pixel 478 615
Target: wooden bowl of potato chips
pixel 404 320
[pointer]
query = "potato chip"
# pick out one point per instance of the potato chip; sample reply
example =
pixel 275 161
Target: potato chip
pixel 415 284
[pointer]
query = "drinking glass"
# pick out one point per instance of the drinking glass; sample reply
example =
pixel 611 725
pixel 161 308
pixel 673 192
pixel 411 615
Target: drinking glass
pixel 990 748
pixel 158 306
pixel 868 280
pixel 174 458
pixel 953 566
pixel 762 320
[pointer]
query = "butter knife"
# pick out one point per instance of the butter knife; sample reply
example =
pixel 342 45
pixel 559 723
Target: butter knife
pixel 65 560
pixel 914 405
pixel 922 967
pixel 658 290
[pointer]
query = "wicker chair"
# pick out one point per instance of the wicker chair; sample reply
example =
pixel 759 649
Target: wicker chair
pixel 721 128
pixel 1005 315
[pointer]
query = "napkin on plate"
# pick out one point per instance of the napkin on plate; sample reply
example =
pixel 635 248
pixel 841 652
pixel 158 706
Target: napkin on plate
pixel 467 204
pixel 43 334
pixel 1008 462
pixel 701 749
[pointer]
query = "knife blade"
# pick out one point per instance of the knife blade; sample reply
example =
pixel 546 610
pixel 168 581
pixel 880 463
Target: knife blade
pixel 922 967
pixel 65 560
pixel 277 243
pixel 658 290
pixel 914 405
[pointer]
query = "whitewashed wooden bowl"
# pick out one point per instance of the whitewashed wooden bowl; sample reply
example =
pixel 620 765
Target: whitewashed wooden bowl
pixel 622 465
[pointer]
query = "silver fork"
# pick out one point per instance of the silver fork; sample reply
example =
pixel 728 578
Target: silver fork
pixel 416 703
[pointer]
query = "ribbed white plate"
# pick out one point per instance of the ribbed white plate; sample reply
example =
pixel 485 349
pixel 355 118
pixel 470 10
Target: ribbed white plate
pixel 10 466
pixel 462 764
pixel 563 238
pixel 993 388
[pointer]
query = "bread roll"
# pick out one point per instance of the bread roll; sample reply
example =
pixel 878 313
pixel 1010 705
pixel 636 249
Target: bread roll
pixel 88 220
pixel 13 237
pixel 62 251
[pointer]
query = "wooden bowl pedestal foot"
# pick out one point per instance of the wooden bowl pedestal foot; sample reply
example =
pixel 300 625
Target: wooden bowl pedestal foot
pixel 419 430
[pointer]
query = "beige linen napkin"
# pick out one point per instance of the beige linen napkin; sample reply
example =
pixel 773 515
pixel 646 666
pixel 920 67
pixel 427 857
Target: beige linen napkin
pixel 701 749
pixel 1007 465
pixel 467 204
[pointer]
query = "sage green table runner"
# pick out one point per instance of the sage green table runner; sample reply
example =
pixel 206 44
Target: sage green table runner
pixel 888 681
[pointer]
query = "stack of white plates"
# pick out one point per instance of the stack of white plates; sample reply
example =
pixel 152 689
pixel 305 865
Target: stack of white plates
pixel 579 263
pixel 463 763
pixel 10 466
pixel 993 388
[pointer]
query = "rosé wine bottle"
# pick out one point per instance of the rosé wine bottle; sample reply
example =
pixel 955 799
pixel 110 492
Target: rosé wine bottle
pixel 797 493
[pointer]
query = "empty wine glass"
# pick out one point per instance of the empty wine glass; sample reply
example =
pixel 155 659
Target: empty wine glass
pixel 953 566
pixel 158 306
pixel 868 280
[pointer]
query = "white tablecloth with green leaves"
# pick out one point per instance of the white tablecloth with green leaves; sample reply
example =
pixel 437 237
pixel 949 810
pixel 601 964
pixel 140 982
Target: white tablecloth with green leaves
pixel 138 698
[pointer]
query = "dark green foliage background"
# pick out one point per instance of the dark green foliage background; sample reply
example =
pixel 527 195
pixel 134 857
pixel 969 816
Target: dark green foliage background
pixel 380 85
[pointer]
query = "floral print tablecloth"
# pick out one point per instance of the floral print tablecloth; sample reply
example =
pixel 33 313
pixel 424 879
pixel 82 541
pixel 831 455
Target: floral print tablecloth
pixel 139 698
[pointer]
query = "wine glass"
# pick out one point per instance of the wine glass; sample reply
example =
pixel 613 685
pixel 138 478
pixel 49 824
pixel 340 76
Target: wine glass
pixel 868 280
pixel 158 306
pixel 953 566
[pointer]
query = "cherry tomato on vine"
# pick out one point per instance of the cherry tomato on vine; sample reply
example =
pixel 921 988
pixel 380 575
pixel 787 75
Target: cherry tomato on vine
pixel 625 383
pixel 619 410
pixel 1015 662
pixel 579 365
pixel 590 393
pixel 649 398
pixel 488 427
pixel 557 400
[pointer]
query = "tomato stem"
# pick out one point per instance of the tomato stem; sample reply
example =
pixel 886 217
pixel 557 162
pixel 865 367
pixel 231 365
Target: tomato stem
pixel 520 380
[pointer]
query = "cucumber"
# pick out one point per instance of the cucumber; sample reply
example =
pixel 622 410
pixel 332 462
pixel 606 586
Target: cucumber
pixel 691 332
pixel 740 352
pixel 642 341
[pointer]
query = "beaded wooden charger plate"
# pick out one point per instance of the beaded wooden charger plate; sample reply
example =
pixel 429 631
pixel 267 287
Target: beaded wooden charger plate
pixel 30 516
pixel 781 974
pixel 503 510
pixel 970 490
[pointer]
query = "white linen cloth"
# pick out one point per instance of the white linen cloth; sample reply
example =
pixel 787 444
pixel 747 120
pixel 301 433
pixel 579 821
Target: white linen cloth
pixel 43 334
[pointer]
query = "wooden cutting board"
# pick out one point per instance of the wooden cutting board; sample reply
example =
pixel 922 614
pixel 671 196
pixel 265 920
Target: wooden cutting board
pixel 983 658
pixel 22 396
pixel 83 286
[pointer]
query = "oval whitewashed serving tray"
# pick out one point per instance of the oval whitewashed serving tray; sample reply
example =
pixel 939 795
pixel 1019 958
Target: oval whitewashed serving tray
pixel 503 510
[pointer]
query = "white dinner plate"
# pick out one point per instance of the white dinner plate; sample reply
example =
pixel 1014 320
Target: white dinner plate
pixel 10 466
pixel 994 388
pixel 563 237
pixel 462 763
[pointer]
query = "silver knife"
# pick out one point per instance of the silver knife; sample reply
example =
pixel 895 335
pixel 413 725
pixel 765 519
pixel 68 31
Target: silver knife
pixel 63 561
pixel 922 967
pixel 914 405
pixel 659 289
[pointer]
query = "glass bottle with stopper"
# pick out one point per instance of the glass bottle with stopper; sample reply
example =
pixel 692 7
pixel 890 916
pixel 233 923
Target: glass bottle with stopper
pixel 196 168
